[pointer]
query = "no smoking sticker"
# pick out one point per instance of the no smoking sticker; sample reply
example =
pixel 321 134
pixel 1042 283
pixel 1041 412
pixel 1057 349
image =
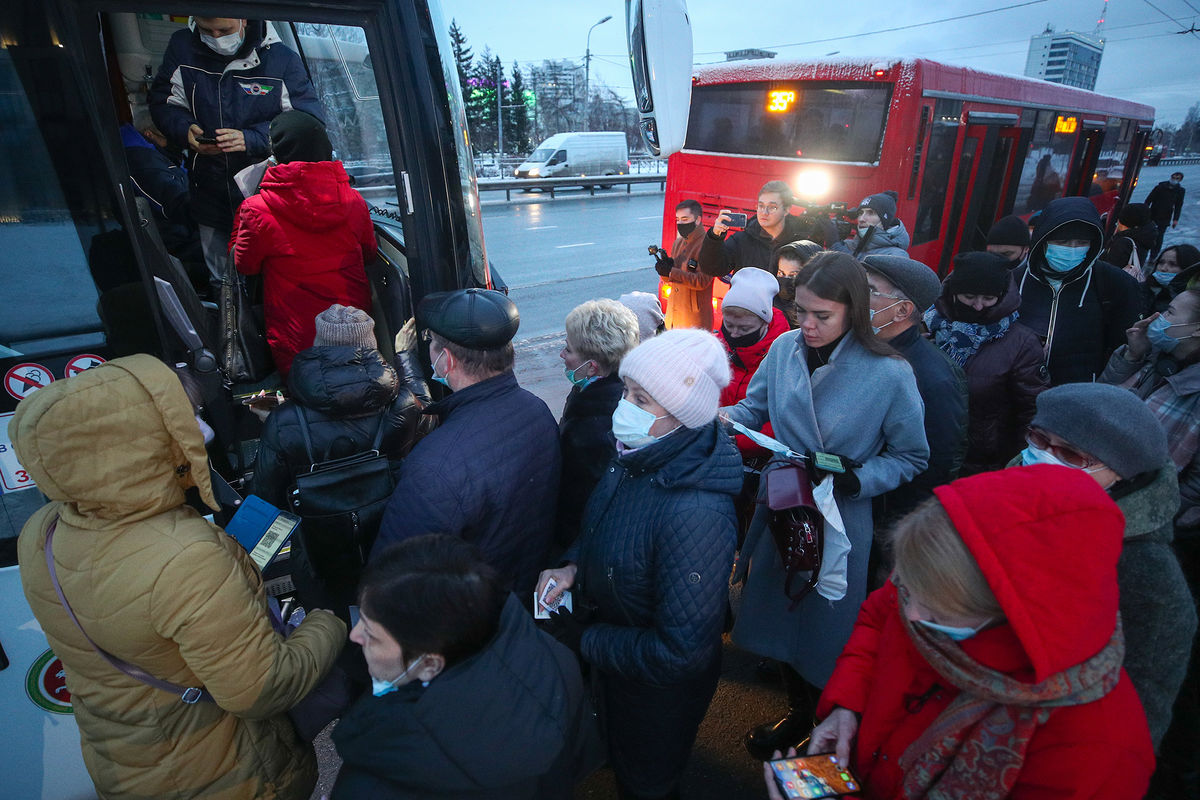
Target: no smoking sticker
pixel 81 362
pixel 25 379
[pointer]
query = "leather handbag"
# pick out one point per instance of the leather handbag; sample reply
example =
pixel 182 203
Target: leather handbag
pixel 245 356
pixel 796 525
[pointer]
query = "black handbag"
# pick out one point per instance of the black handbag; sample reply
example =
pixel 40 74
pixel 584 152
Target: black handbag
pixel 244 353
pixel 796 525
pixel 340 503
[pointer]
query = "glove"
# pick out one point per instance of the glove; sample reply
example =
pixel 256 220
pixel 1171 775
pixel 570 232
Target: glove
pixel 567 628
pixel 844 481
pixel 663 263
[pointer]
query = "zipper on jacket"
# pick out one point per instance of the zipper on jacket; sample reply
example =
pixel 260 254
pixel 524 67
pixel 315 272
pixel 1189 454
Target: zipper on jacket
pixel 1053 319
pixel 612 587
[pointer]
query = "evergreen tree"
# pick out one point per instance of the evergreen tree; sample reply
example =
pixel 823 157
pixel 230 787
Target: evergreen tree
pixel 483 84
pixel 516 118
pixel 462 54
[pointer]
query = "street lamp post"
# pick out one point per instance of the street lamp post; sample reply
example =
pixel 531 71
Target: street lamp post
pixel 587 67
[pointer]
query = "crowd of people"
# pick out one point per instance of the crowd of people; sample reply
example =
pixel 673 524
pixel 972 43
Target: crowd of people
pixel 962 516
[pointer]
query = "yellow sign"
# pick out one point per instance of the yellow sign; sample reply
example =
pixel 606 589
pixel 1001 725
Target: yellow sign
pixel 780 100
pixel 1066 125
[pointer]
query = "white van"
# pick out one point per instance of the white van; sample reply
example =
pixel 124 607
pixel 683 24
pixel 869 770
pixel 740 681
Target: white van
pixel 570 154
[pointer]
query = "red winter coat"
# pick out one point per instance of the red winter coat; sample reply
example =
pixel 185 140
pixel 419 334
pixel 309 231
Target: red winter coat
pixel 743 363
pixel 1050 558
pixel 309 234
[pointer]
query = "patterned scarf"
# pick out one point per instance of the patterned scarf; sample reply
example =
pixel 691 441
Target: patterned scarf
pixel 961 340
pixel 976 746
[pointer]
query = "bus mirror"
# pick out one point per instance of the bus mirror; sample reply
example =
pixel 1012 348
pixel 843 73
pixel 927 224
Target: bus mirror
pixel 660 56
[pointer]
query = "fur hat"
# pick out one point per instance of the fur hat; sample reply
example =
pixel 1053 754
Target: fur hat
pixel 753 289
pixel 341 325
pixel 684 370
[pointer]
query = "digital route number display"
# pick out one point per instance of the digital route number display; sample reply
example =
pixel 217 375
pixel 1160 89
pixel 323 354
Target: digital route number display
pixel 780 100
pixel 1066 125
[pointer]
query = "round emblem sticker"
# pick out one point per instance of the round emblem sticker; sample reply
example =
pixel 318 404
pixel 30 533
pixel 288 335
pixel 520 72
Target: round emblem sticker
pixel 46 684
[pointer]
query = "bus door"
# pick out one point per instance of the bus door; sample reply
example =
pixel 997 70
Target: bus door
pixel 984 163
pixel 1082 178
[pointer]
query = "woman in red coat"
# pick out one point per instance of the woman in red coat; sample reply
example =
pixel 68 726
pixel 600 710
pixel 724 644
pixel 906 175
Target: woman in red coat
pixel 307 232
pixel 990 665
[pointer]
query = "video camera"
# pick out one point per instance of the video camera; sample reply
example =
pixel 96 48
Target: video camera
pixel 842 214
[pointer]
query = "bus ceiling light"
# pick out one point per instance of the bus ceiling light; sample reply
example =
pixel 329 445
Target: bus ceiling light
pixel 813 184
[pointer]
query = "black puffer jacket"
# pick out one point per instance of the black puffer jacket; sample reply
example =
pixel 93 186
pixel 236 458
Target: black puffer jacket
pixel 343 391
pixel 752 247
pixel 655 553
pixel 1084 320
pixel 509 723
pixel 1120 249
pixel 1004 378
pixel 585 435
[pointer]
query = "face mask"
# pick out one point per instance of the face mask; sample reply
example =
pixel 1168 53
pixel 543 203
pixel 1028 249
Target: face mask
pixel 1156 332
pixel 1061 259
pixel 787 287
pixel 205 430
pixel 957 634
pixel 631 425
pixel 224 45
pixel 380 688
pixel 872 312
pixel 964 313
pixel 580 382
pixel 1036 455
pixel 1174 182
pixel 745 340
pixel 685 228
pixel 863 228
pixel 439 378
pixel 1163 277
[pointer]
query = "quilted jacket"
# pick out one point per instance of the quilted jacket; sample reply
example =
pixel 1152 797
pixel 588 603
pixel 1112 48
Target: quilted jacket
pixel 585 434
pixel 488 474
pixel 115 448
pixel 655 553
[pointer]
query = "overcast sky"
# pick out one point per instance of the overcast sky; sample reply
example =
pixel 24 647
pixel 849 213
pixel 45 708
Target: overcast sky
pixel 1144 59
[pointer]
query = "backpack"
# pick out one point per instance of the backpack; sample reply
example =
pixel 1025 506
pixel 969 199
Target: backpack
pixel 340 503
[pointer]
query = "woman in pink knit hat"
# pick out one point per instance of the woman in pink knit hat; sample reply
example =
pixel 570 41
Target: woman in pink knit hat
pixel 649 572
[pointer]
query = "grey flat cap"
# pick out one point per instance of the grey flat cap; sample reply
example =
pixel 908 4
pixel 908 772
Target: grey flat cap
pixel 481 319
pixel 915 280
pixel 1105 421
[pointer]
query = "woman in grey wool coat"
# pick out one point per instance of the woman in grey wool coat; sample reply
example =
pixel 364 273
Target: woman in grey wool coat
pixel 829 386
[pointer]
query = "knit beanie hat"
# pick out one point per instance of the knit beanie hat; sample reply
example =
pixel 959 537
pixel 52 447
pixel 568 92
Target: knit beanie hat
pixel 299 136
pixel 1010 230
pixel 348 326
pixel 648 311
pixel 753 289
pixel 883 204
pixel 978 273
pixel 1134 215
pixel 684 370
pixel 1107 422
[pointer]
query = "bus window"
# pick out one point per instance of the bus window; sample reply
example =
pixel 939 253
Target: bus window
pixel 1044 173
pixel 825 121
pixel 946 116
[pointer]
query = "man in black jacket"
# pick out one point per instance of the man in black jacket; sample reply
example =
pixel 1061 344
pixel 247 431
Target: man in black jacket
pixel 489 472
pixel 1166 204
pixel 771 227
pixel 1078 305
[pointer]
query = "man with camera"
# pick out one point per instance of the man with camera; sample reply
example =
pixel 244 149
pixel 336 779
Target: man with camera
pixel 772 227
pixel 689 295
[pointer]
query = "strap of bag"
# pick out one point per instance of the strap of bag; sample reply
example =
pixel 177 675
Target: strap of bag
pixel 378 440
pixel 189 695
pixel 308 448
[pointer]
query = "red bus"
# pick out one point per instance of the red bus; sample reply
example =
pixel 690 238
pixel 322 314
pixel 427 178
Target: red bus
pixel 961 147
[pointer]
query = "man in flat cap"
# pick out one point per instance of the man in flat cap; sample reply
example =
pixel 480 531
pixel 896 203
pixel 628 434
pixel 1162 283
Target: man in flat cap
pixel 902 290
pixel 489 472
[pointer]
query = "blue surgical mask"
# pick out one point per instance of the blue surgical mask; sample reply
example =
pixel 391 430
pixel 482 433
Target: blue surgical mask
pixel 439 378
pixel 380 688
pixel 1160 339
pixel 1163 277
pixel 872 312
pixel 957 634
pixel 576 381
pixel 224 45
pixel 631 424
pixel 1062 258
pixel 1036 455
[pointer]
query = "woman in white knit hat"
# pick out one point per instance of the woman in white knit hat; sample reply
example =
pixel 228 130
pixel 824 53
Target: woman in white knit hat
pixel 650 570
pixel 831 387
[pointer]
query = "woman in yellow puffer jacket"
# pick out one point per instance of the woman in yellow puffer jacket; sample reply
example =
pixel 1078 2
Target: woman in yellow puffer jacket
pixel 153 583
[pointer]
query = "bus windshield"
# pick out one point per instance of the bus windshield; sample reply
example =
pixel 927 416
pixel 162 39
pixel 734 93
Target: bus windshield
pixel 821 120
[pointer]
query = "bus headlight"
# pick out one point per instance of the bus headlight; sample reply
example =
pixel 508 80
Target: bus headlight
pixel 813 184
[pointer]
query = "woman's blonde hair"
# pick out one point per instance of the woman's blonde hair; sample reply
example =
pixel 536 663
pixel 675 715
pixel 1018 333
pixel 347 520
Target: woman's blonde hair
pixel 603 331
pixel 933 563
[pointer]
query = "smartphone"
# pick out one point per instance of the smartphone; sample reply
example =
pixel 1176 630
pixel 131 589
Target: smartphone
pixel 736 220
pixel 204 138
pixel 267 401
pixel 813 776
pixel 828 462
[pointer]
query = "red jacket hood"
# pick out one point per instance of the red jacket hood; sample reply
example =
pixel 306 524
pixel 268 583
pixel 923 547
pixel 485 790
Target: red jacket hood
pixel 308 194
pixel 1047 539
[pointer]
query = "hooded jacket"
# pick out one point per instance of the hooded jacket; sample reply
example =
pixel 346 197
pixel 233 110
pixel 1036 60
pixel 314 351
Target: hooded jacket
pixel 1082 321
pixel 752 247
pixel 196 86
pixel 743 363
pixel 1157 297
pixel 654 557
pixel 1124 243
pixel 509 723
pixel 152 582
pixel 309 234
pixel 893 241
pixel 1047 540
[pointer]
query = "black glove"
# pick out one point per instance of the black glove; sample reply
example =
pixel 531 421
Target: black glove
pixel 567 628
pixel 844 479
pixel 663 263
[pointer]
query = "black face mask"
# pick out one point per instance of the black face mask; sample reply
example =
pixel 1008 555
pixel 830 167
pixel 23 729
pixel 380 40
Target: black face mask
pixel 964 313
pixel 745 340
pixel 685 228
pixel 787 287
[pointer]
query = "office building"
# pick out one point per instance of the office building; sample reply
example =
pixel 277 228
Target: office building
pixel 1069 58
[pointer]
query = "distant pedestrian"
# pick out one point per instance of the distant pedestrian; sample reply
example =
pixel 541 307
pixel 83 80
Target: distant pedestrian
pixel 879 231
pixel 1009 238
pixel 772 226
pixel 689 303
pixel 1166 204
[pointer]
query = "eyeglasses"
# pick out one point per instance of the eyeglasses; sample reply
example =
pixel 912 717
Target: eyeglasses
pixel 1064 453
pixel 877 293
pixel 770 208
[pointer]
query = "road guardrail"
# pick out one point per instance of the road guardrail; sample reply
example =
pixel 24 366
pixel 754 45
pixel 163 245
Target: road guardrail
pixel 591 182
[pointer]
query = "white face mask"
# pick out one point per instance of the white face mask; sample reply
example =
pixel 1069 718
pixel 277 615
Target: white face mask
pixel 224 45
pixel 631 424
